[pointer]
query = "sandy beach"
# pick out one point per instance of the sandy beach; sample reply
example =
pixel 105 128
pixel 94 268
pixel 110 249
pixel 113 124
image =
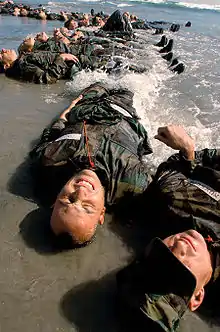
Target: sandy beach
pixel 41 289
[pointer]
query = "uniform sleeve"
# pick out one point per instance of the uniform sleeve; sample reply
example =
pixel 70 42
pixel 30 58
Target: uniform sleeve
pixel 58 68
pixel 51 133
pixel 203 168
pixel 43 67
pixel 33 73
pixel 209 158
pixel 206 158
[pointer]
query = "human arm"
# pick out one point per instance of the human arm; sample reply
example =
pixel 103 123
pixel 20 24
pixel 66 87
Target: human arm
pixel 68 109
pixel 177 138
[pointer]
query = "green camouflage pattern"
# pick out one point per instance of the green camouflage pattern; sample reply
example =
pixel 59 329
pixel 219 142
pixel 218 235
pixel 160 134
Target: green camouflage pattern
pixel 40 67
pixel 51 45
pixel 179 204
pixel 116 142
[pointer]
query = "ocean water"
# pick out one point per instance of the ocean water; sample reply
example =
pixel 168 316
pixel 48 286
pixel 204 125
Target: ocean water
pixel 191 99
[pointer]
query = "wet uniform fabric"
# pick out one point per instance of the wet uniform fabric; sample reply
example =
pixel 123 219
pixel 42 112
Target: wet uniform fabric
pixel 40 67
pixel 116 143
pixel 183 195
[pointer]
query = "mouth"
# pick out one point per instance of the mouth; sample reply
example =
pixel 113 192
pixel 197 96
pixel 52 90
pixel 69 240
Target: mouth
pixel 189 242
pixel 85 183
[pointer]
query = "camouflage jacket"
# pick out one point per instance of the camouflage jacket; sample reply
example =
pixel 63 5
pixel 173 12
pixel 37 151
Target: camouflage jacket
pixel 51 45
pixel 116 143
pixel 154 291
pixel 40 67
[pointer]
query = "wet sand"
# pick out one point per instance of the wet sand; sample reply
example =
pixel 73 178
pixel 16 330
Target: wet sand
pixel 42 290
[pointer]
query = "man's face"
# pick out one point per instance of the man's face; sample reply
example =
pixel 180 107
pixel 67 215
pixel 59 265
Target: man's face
pixel 79 207
pixel 8 56
pixel 59 36
pixel 73 25
pixel 191 249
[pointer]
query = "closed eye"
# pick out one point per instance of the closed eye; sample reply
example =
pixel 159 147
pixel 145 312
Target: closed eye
pixel 89 209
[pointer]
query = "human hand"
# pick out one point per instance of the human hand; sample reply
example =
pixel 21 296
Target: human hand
pixel 69 57
pixel 177 138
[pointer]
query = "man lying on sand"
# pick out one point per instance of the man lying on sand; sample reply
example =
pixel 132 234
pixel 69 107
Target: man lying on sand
pixel 94 151
pixel 183 202
pixel 39 67
pixel 188 175
pixel 98 143
pixel 60 42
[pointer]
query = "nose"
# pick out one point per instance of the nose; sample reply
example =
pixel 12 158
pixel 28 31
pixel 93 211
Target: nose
pixel 73 197
pixel 80 193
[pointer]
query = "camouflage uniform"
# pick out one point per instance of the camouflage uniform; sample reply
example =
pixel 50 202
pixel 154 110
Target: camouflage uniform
pixel 183 195
pixel 116 143
pixel 51 45
pixel 109 51
pixel 41 67
pixel 189 191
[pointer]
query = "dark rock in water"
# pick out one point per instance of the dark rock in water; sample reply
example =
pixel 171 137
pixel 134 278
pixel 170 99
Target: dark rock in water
pixel 168 47
pixel 163 41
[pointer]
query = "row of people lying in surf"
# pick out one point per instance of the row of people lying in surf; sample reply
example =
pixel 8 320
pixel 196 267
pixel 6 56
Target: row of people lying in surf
pixel 85 20
pixel 46 60
pixel 91 158
pixel 24 10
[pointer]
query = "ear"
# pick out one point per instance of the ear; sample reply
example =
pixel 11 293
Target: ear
pixel 196 299
pixel 102 216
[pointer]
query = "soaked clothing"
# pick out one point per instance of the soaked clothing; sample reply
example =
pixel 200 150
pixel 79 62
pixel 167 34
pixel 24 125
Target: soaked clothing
pixel 51 45
pixel 183 195
pixel 110 52
pixel 186 195
pixel 102 132
pixel 42 67
pixel 96 52
pixel 190 190
pixel 118 22
pixel 157 25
